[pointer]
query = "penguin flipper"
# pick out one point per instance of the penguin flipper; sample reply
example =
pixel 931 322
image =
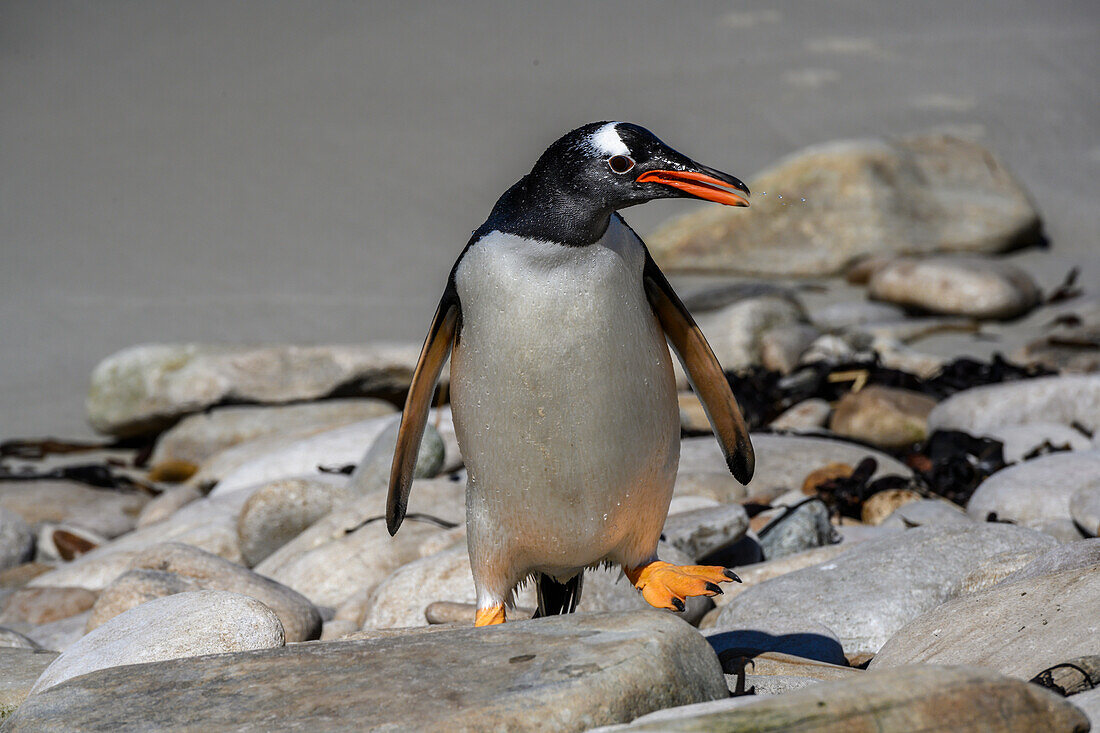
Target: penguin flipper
pixel 437 347
pixel 704 371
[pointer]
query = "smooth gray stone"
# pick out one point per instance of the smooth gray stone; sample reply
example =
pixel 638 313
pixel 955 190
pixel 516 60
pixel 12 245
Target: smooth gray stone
pixel 1037 491
pixel 736 331
pixel 566 673
pixel 1017 629
pixel 802 528
pixel 964 286
pixel 982 410
pixel 372 473
pixel 58 635
pixel 278 512
pixel 14 640
pixel 797 637
pixel 107 512
pixel 699 532
pixel 144 388
pixel 849 313
pixel 1072 555
pixel 926 698
pixel 1089 704
pixel 182 625
pixel 869 592
pixel 1084 507
pixel 16 540
pixel 926 512
pixel 1021 440
pixel 19 668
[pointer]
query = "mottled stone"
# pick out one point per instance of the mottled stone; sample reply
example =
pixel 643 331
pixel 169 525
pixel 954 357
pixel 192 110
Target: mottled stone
pixel 884 416
pixel 19 668
pixel 867 593
pixel 1017 629
pixel 145 388
pixel 43 605
pixel 922 193
pixel 197 437
pixel 181 625
pixel 567 673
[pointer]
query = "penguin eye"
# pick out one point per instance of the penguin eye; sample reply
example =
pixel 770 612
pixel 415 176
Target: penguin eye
pixel 620 163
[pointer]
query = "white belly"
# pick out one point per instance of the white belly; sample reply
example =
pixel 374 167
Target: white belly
pixel 564 404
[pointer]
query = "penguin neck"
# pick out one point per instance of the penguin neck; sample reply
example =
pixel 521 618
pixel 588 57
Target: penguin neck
pixel 535 210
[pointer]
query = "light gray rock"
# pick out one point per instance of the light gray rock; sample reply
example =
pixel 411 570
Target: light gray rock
pixel 181 625
pixel 16 540
pixel 798 529
pixel 1089 704
pixel 167 504
pixel 107 512
pixel 783 461
pixel 1084 507
pixel 1017 629
pixel 145 388
pixel 736 332
pixel 19 668
pixel 716 297
pixel 984 410
pixel 914 329
pixel 133 588
pixel 926 512
pixel 1021 440
pixel 279 511
pixel 1070 556
pixel 300 620
pixel 1038 491
pixel 10 639
pixel 979 288
pixel 756 573
pixel 721 488
pixel 867 593
pixel 197 437
pixel 58 635
pixel 373 470
pixel 849 313
pixel 807 416
pixel 699 532
pixel 783 346
pixel 905 699
pixel 922 193
pixel 562 674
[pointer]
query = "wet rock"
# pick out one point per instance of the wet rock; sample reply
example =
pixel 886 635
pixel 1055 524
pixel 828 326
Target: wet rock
pixel 197 437
pixel 135 587
pixel 905 699
pixel 736 332
pixel 981 410
pixel 43 605
pixel 373 470
pixel 106 512
pixel 1036 492
pixel 1070 556
pixel 181 625
pixel 782 347
pixel 979 288
pixel 1016 629
pixel 924 193
pixel 849 313
pixel 1084 507
pixel 566 673
pixel 869 592
pixel 145 388
pixel 279 511
pixel 167 504
pixel 801 528
pixel 883 416
pixel 926 512
pixel 297 615
pixel 782 461
pixel 20 668
pixel 16 540
pixel 700 532
pixel 807 416
pixel 883 504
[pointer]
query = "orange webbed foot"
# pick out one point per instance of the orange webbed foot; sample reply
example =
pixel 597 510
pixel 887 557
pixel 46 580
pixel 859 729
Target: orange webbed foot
pixel 490 616
pixel 664 585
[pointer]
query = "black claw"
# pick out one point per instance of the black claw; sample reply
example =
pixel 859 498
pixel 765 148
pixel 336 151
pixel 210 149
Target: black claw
pixel 714 589
pixel 731 575
pixel 679 604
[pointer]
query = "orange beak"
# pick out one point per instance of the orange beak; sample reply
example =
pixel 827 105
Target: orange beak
pixel 729 192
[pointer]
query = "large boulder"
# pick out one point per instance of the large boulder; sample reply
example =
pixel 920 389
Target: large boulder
pixel 824 207
pixel 145 388
pixel 1038 492
pixel 984 410
pixel 566 673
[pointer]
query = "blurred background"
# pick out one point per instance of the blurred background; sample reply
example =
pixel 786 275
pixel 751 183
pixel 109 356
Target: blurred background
pixel 308 172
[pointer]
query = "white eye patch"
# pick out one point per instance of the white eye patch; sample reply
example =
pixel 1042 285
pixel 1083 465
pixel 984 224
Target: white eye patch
pixel 606 141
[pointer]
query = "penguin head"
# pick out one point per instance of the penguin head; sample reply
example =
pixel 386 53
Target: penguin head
pixel 614 165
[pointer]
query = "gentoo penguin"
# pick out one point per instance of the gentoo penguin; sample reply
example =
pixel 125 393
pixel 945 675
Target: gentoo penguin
pixel 562 388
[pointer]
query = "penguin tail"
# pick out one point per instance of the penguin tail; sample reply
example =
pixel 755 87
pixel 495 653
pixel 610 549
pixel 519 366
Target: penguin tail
pixel 557 598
